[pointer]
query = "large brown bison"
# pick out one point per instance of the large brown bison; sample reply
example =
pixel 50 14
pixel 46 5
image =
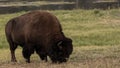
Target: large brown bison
pixel 38 31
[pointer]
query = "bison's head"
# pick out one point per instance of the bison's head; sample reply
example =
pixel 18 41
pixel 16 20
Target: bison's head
pixel 64 49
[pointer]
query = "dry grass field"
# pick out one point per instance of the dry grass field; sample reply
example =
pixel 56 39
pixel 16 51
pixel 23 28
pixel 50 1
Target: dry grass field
pixel 95 35
pixel 82 57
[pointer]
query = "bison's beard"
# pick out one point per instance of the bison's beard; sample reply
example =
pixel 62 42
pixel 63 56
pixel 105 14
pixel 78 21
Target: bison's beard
pixel 57 58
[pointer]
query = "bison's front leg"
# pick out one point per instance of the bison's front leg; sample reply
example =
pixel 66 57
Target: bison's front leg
pixel 26 55
pixel 27 51
pixel 43 57
pixel 42 54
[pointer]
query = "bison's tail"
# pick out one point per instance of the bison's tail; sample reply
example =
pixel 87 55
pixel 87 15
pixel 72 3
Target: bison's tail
pixel 9 26
pixel 8 29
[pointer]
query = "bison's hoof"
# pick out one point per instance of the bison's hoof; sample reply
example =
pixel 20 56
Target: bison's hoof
pixel 13 60
pixel 28 61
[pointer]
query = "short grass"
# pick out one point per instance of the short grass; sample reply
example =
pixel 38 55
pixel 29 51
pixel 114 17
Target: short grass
pixel 82 57
pixel 85 27
pixel 95 34
pixel 92 27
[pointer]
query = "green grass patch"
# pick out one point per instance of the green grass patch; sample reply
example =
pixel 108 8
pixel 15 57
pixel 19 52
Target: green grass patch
pixel 85 27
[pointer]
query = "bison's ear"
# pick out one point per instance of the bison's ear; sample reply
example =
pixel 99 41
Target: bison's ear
pixel 59 44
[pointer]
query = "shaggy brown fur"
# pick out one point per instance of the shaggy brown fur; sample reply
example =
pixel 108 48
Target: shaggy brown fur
pixel 38 31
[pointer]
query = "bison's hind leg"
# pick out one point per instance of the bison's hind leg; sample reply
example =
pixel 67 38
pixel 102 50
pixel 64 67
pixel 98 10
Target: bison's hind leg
pixel 13 47
pixel 27 51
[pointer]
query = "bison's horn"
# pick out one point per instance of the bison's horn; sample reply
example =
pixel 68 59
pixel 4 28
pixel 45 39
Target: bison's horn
pixel 59 44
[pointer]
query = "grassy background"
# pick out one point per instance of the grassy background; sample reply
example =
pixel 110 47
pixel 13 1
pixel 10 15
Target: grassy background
pixel 95 34
pixel 85 27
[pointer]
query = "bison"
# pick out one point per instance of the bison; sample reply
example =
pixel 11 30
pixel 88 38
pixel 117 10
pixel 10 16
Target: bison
pixel 38 31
